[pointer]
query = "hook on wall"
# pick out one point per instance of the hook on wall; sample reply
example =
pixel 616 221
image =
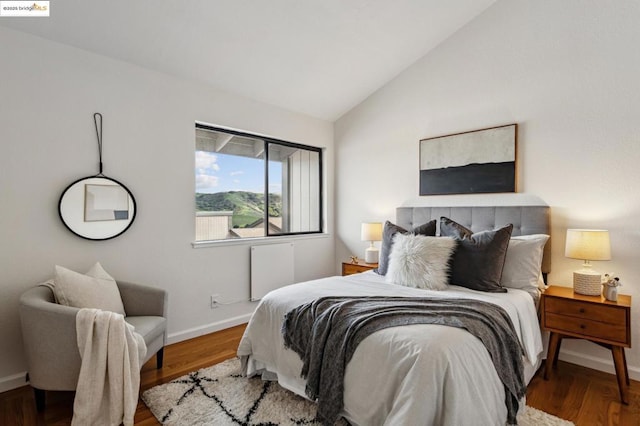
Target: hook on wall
pixel 99 137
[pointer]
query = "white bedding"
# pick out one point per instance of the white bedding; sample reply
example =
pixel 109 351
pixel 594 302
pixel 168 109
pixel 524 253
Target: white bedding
pixel 412 375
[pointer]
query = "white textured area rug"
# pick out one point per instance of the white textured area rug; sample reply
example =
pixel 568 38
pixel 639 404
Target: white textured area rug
pixel 220 396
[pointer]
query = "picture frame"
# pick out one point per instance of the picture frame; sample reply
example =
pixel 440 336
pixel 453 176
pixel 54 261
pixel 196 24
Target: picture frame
pixel 472 162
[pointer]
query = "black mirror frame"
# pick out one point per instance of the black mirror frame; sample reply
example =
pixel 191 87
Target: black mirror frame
pixel 133 200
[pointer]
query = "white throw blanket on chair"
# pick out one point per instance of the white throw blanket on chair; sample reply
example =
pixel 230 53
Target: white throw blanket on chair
pixel 109 380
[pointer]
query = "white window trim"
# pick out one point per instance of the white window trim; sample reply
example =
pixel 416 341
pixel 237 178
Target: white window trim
pixel 257 240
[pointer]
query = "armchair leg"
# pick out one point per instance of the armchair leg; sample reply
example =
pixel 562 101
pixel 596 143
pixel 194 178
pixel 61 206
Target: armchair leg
pixel 159 358
pixel 40 399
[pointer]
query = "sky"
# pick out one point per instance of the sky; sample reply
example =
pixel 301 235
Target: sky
pixel 217 172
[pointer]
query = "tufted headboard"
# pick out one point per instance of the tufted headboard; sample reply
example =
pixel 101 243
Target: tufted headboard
pixel 526 220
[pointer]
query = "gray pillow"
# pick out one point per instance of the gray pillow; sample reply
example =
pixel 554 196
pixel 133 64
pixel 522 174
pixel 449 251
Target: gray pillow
pixel 478 260
pixel 388 232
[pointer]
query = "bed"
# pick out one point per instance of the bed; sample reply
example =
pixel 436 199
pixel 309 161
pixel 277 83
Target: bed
pixel 415 374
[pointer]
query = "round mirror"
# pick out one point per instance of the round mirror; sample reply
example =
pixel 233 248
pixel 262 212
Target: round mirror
pixel 97 208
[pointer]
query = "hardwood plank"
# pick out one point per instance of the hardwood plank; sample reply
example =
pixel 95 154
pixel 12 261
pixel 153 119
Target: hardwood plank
pixel 584 396
pixel 595 406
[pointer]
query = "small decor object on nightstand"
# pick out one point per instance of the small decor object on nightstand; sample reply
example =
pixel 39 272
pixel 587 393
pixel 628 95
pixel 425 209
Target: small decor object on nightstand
pixel 610 287
pixel 587 244
pixel 371 232
pixel 354 260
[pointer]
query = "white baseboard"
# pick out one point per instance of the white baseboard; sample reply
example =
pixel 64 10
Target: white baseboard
pixel 206 329
pixel 12 382
pixel 596 363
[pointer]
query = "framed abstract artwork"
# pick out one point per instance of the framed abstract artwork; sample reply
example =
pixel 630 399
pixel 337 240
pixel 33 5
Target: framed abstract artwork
pixel 479 161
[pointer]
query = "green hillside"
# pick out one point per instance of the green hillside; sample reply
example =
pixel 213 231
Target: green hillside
pixel 247 207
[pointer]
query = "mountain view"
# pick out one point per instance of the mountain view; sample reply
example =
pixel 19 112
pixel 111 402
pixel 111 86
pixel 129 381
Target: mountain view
pixel 247 207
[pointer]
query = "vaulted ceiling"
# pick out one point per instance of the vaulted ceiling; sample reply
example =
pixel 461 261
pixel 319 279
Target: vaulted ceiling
pixel 317 57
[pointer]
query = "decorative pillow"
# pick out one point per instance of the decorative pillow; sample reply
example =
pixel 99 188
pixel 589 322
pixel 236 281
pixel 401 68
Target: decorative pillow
pixel 420 261
pixel 479 258
pixel 96 289
pixel 523 262
pixel 388 232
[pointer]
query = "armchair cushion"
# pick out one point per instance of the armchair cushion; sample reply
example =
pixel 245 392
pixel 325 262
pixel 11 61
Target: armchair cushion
pixel 149 327
pixel 96 289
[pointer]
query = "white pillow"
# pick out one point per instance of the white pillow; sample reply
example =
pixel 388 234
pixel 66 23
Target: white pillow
pixel 96 289
pixel 523 262
pixel 420 261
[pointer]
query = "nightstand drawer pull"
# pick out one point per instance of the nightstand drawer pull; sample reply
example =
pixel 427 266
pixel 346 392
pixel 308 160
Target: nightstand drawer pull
pixel 582 326
pixel 581 310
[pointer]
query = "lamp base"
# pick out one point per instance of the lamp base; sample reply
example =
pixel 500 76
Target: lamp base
pixel 587 282
pixel 371 255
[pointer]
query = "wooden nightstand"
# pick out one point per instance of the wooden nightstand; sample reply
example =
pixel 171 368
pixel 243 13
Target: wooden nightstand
pixel 349 268
pixel 572 315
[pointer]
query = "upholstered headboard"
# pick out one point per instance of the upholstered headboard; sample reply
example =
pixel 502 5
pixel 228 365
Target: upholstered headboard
pixel 526 220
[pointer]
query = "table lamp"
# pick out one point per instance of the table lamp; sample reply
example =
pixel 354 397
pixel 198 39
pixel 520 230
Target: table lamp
pixel 371 231
pixel 587 245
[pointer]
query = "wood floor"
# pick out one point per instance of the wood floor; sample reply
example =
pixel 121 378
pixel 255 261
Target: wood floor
pixel 584 396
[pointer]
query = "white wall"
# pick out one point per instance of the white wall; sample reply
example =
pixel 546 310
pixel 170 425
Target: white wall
pixel 48 94
pixel 567 73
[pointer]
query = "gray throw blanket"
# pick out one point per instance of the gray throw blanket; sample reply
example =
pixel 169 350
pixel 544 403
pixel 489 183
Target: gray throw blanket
pixel 326 332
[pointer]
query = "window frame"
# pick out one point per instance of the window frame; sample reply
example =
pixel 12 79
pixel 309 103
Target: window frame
pixel 270 140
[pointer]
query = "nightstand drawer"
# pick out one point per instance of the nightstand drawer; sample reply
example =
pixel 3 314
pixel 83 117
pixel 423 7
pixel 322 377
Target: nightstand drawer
pixel 585 327
pixel 606 314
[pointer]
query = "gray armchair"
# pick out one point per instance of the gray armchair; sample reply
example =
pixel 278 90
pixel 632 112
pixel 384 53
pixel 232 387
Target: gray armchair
pixel 50 340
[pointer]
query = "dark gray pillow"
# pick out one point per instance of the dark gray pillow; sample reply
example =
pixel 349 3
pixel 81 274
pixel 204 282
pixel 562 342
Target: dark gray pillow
pixel 389 230
pixel 479 258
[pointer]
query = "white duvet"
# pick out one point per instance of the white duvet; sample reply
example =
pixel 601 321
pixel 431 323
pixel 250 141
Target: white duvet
pixel 420 374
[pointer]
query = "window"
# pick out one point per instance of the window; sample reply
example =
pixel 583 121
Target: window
pixel 249 186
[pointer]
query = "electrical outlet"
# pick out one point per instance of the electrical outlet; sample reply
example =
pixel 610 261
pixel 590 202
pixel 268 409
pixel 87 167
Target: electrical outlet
pixel 214 301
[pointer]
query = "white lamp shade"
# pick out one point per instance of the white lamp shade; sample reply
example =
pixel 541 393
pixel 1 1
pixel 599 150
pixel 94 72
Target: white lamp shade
pixel 371 231
pixel 588 244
